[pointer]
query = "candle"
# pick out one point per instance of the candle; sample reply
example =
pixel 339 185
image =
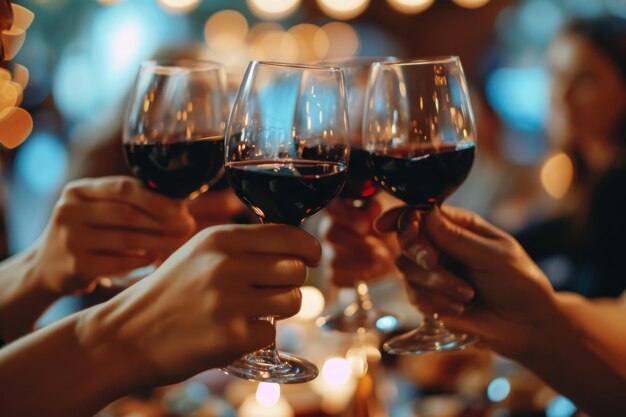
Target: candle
pixel 267 402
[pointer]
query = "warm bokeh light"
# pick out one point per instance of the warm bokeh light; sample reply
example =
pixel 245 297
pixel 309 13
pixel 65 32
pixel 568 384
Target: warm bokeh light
pixel 179 6
pixel 312 303
pixel 410 6
pixel 470 4
pixel 108 2
pixel 268 393
pixel 274 45
pixel 343 40
pixel 312 42
pixel 344 9
pixel 557 174
pixel 273 9
pixel 226 30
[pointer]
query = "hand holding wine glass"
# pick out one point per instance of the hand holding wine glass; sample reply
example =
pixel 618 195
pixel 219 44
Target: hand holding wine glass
pixel 419 131
pixel 287 150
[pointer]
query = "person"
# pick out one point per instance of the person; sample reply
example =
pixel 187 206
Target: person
pixel 581 242
pixel 228 276
pixel 99 227
pixel 573 343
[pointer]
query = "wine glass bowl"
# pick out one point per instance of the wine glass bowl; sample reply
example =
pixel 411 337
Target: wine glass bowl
pixel 419 132
pixel 173 133
pixel 359 189
pixel 286 157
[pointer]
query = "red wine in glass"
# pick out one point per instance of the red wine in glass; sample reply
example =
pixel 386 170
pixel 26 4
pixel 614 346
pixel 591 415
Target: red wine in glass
pixel 286 193
pixel 179 168
pixel 359 184
pixel 425 176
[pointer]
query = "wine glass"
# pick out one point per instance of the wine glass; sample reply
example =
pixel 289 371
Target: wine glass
pixel 174 129
pixel 359 188
pixel 287 150
pixel 173 133
pixel 419 132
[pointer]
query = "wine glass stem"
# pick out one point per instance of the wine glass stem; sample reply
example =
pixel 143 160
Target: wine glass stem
pixel 271 351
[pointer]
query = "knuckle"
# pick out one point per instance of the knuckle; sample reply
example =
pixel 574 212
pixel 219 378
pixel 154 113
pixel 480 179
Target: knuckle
pixel 295 302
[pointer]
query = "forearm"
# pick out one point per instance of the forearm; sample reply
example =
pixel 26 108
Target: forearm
pixel 581 354
pixel 63 370
pixel 22 297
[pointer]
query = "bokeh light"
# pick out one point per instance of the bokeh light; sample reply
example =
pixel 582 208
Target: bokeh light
pixel 498 389
pixel 312 303
pixel 226 30
pixel 344 9
pixel 539 20
pixel 273 9
pixel 557 174
pixel 470 4
pixel 179 6
pixel 560 407
pixel 312 42
pixel 41 163
pixel 410 6
pixel 616 7
pixel 343 40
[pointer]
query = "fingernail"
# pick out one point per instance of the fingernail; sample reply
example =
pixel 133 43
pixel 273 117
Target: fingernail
pixel 466 293
pixel 457 308
pixel 424 259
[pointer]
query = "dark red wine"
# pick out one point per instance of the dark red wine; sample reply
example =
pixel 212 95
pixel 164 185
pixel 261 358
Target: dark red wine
pixel 287 193
pixel 359 184
pixel 177 169
pixel 422 177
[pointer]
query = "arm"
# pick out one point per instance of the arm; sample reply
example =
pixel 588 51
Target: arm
pixel 574 344
pixel 227 276
pixel 98 227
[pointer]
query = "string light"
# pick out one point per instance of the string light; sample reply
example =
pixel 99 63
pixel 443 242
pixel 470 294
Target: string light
pixel 344 9
pixel 273 9
pixel 410 6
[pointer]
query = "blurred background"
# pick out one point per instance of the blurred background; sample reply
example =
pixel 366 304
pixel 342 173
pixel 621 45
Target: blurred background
pixel 83 56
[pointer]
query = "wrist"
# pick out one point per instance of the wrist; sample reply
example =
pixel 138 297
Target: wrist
pixel 117 362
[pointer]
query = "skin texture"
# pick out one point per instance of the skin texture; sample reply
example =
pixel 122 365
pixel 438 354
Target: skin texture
pixel 98 227
pixel 483 282
pixel 226 275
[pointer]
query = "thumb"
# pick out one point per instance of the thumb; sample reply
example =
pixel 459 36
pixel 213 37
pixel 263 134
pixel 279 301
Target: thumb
pixel 456 241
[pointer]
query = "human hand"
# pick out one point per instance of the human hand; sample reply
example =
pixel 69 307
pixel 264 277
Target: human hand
pixel 216 207
pixel 199 309
pixel 512 295
pixel 360 252
pixel 107 226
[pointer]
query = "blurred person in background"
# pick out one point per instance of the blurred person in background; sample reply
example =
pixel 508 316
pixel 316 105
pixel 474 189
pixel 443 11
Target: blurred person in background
pixel 581 244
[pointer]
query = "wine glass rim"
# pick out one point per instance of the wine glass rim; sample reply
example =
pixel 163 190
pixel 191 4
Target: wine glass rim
pixel 291 65
pixel 355 61
pixel 429 60
pixel 182 64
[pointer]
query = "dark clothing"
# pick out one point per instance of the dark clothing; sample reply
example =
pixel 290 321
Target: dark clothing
pixel 585 253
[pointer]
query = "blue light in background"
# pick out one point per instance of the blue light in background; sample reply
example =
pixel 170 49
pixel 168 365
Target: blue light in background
pixel 560 407
pixel 498 389
pixel 386 323
pixel 539 20
pixel 584 8
pixel 519 96
pixel 74 86
pixel 41 163
pixel 617 7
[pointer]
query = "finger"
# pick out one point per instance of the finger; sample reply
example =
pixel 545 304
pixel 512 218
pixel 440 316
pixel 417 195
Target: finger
pixel 471 221
pixel 267 239
pixel 262 334
pixel 439 280
pixel 338 235
pixel 431 302
pixel 271 302
pixel 343 214
pixel 126 190
pixel 262 271
pixel 388 221
pixel 357 257
pixel 103 264
pixel 120 241
pixel 461 244
pixel 121 215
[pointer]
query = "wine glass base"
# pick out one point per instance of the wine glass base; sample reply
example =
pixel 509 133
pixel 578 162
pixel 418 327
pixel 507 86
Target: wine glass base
pixel 425 340
pixel 352 320
pixel 263 367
